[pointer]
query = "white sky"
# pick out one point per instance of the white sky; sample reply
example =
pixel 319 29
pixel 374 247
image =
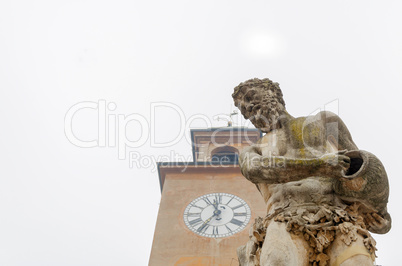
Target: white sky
pixel 65 205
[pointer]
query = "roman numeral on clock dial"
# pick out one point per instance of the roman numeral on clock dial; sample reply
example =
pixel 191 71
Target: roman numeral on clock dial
pixel 195 206
pixel 236 222
pixel 218 199
pixel 195 221
pixel 227 228
pixel 229 201
pixel 207 201
pixel 238 206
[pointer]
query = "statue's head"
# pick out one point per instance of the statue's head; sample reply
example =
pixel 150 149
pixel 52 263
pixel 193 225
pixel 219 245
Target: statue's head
pixel 261 101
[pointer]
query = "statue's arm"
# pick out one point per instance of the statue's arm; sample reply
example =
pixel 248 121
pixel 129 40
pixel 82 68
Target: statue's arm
pixel 279 169
pixel 376 190
pixel 337 133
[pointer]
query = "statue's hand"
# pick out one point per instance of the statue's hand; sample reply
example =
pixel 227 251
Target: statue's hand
pixel 377 224
pixel 252 167
pixel 336 163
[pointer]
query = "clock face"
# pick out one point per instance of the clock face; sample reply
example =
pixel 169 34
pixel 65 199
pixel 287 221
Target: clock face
pixel 217 215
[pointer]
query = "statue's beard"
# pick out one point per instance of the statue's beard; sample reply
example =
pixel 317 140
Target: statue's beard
pixel 265 115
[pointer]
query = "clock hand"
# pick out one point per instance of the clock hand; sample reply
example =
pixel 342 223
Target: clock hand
pixel 216 213
pixel 215 204
pixel 205 223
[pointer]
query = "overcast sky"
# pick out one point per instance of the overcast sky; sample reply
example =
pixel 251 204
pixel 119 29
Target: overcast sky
pixel 62 204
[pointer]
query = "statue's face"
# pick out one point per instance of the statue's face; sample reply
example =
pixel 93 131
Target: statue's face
pixel 261 107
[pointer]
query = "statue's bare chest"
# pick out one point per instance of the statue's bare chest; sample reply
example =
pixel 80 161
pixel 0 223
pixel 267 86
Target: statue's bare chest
pixel 299 138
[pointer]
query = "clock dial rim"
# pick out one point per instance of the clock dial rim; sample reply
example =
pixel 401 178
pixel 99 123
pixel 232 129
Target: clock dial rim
pixel 233 224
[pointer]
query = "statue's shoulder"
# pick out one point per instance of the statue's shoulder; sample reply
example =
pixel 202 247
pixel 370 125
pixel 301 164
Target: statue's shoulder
pixel 324 116
pixel 328 117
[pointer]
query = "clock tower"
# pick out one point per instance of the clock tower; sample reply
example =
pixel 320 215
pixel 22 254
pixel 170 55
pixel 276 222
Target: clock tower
pixel 207 206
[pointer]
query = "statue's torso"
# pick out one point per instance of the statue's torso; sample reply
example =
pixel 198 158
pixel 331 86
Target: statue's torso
pixel 299 138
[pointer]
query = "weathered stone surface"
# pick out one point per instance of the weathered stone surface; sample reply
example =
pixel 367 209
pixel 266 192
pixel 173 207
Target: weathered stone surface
pixel 323 194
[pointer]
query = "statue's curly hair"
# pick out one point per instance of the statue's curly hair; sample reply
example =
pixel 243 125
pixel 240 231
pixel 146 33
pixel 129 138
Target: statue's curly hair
pixel 265 84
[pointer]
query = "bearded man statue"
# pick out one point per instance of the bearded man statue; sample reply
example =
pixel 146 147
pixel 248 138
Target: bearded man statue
pixel 323 195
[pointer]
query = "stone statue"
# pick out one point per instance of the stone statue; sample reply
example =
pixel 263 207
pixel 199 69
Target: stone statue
pixel 323 194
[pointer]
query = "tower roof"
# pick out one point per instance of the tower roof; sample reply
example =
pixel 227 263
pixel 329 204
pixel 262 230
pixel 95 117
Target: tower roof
pixel 204 142
pixel 223 136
